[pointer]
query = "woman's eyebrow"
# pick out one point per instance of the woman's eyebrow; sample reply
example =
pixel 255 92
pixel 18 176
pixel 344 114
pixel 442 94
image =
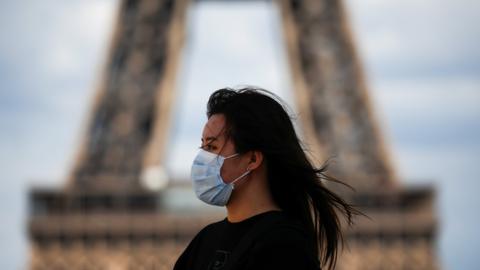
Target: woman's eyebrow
pixel 209 139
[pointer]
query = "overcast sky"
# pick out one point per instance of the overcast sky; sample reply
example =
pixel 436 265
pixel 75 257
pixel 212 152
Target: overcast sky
pixel 421 60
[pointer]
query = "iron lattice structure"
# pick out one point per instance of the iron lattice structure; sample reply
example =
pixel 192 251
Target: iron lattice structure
pixel 104 218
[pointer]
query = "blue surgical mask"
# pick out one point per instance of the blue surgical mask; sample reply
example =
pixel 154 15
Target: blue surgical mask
pixel 207 181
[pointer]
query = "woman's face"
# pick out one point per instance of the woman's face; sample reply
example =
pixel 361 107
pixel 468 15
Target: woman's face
pixel 214 140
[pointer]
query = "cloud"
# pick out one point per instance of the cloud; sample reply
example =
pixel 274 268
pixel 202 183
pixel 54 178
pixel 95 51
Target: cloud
pixel 50 58
pixel 417 38
pixel 429 112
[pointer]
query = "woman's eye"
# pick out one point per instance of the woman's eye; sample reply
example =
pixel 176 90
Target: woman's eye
pixel 211 148
pixel 208 147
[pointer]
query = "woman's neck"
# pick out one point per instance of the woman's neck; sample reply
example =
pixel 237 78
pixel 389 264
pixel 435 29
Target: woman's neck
pixel 250 198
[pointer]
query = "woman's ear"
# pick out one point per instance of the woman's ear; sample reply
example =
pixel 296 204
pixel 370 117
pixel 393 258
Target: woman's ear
pixel 256 159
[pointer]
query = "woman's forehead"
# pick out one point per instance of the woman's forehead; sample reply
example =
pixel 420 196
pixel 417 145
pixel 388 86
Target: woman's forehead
pixel 215 127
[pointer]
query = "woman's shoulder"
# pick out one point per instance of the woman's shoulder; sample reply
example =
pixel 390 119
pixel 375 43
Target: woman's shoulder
pixel 285 233
pixel 287 229
pixel 206 233
pixel 211 228
pixel 285 245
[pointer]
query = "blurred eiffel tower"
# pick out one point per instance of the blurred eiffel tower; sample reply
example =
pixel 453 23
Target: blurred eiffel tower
pixel 110 214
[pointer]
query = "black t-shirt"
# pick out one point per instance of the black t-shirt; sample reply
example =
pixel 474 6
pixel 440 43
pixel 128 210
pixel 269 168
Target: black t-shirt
pixel 283 246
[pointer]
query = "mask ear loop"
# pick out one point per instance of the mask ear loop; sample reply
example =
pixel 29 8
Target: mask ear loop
pixel 240 177
pixel 234 155
pixel 224 158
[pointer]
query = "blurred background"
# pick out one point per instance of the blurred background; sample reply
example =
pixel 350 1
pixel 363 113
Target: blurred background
pixel 422 65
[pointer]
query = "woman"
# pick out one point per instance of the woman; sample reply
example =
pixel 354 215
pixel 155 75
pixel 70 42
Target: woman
pixel 279 213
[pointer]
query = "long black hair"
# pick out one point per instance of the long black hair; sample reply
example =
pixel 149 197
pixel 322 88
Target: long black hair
pixel 257 119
